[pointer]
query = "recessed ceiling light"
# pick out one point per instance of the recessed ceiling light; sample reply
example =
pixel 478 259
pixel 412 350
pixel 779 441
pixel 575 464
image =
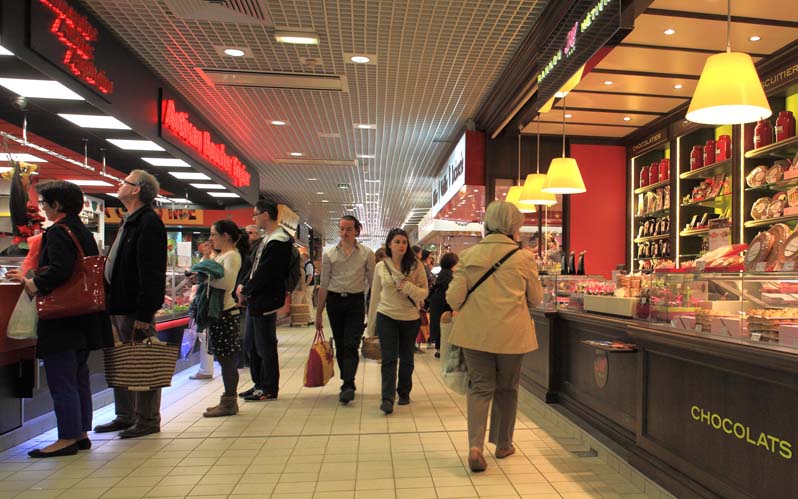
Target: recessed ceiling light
pixel 324 201
pixel 569 115
pixel 312 179
pixel 366 156
pixel 755 38
pixel 171 162
pixel 234 52
pixel 627 118
pixel 95 121
pixel 208 186
pixel 297 37
pixel 5 51
pixel 28 158
pixel 360 59
pixel 278 123
pixel 135 145
pixel 91 183
pixel 224 194
pixel 189 175
pixel 373 181
pixel 319 193
pixel 365 126
pixel 296 154
pixel 678 86
pixel 608 82
pixel 44 89
pixel 560 95
pixel 669 31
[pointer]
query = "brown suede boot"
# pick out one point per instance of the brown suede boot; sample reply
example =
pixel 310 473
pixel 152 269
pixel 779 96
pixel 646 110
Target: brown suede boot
pixel 228 406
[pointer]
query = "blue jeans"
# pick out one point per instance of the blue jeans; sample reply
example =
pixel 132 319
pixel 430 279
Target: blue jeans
pixel 68 379
pixel 260 342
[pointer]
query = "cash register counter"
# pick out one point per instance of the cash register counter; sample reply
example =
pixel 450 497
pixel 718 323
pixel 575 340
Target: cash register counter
pixel 702 416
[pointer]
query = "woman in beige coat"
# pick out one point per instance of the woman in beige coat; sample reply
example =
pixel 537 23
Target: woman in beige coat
pixel 494 328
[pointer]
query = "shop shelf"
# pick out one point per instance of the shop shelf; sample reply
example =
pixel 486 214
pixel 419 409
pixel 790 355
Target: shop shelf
pixel 652 187
pixel 783 149
pixel 651 238
pixel 770 221
pixel 718 201
pixel 696 232
pixel 658 213
pixel 779 186
pixel 708 171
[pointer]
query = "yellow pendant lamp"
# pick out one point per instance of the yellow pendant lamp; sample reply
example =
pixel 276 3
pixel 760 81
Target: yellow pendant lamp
pixel 533 185
pixel 564 176
pixel 513 196
pixel 729 91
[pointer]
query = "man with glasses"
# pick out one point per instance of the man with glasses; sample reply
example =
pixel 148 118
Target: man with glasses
pixel 135 273
pixel 263 290
pixel 346 273
pixel 254 236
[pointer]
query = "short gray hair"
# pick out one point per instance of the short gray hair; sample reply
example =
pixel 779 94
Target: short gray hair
pixel 148 186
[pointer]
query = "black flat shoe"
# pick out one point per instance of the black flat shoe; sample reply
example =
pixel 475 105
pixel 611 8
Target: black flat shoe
pixel 84 443
pixel 347 395
pixel 69 450
pixel 404 400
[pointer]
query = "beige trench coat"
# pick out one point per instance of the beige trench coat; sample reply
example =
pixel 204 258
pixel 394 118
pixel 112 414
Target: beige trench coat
pixel 496 316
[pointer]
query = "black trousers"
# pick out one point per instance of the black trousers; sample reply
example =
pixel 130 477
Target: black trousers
pixel 435 312
pixel 347 314
pixel 397 341
pixel 261 344
pixel 68 379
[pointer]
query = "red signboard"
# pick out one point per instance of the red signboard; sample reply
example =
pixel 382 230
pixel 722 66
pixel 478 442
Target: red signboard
pixel 76 33
pixel 179 124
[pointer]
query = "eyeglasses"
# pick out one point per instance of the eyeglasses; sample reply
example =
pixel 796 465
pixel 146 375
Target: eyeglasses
pixel 257 213
pixel 252 232
pixel 133 184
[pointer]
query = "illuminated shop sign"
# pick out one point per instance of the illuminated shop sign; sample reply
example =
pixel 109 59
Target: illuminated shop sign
pixel 78 37
pixel 452 178
pixel 179 124
pixel 735 429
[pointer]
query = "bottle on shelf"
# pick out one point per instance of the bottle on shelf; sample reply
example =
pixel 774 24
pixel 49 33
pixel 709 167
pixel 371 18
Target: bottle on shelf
pixel 643 176
pixel 580 270
pixel 785 126
pixel 763 134
pixel 564 264
pixel 709 152
pixel 696 157
pixel 653 173
pixel 572 263
pixel 723 148
pixel 664 169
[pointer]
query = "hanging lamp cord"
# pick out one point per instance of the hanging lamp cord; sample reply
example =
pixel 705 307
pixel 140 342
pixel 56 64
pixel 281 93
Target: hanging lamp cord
pixel 728 27
pixel 563 126
pixel 519 157
pixel 537 167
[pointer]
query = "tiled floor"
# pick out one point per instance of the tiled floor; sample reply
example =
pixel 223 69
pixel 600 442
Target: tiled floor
pixel 306 445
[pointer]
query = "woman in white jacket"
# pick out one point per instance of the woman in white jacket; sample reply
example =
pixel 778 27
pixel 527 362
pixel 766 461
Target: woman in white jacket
pixel 399 287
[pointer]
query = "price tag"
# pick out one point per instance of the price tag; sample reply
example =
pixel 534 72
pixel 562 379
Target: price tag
pixel 756 336
pixel 759 267
pixel 788 266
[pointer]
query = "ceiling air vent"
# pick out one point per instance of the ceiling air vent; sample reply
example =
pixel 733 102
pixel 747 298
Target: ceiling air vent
pixel 226 11
pixel 297 81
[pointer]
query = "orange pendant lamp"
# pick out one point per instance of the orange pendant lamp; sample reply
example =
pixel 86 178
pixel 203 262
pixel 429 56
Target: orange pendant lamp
pixel 533 185
pixel 564 176
pixel 729 91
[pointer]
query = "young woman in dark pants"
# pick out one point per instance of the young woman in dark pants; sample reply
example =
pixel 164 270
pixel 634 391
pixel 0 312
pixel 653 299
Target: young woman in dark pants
pixel 64 344
pixel 399 287
pixel 437 299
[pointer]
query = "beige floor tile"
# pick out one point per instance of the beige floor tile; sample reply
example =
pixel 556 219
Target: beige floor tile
pixel 417 493
pixel 348 494
pixel 534 488
pixel 496 491
pixel 180 480
pixel 40 494
pixel 456 492
pixel 294 487
pixel 232 478
pixel 375 494
pixel 170 491
pixel 83 493
pixel 258 489
pixel 213 490
pixel 125 492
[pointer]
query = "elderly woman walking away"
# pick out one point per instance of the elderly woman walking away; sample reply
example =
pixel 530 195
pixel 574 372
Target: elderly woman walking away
pixel 493 286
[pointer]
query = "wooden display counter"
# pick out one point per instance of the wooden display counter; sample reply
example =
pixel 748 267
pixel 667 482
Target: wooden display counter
pixel 700 416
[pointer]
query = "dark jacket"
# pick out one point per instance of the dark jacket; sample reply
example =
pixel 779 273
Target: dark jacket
pixel 437 295
pixel 208 302
pixel 138 279
pixel 265 290
pixel 246 265
pixel 59 254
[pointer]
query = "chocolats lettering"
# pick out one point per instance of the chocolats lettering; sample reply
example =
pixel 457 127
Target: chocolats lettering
pixel 770 443
pixel 76 33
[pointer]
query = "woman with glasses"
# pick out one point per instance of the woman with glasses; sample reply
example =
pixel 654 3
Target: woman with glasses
pixel 399 288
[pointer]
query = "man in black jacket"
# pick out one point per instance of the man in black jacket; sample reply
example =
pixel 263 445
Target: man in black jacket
pixel 136 279
pixel 264 292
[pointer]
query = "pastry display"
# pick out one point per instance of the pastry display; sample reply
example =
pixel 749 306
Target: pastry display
pixel 756 177
pixel 790 248
pixel 766 322
pixel 780 233
pixel 758 250
pixel 759 211
pixel 776 207
pixel 774 173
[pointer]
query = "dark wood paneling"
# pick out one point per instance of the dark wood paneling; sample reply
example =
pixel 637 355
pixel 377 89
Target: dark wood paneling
pixel 537 373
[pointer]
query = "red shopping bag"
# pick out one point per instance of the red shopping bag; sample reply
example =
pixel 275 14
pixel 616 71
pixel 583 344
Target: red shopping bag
pixel 319 367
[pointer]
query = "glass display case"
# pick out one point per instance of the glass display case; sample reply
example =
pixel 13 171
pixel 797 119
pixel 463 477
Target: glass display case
pixel 178 295
pixel 567 291
pixel 760 308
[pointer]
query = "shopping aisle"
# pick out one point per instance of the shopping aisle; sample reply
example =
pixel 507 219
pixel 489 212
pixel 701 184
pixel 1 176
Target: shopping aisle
pixel 306 445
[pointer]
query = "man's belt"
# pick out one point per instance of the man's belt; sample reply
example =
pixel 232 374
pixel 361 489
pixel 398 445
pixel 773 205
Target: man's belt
pixel 345 295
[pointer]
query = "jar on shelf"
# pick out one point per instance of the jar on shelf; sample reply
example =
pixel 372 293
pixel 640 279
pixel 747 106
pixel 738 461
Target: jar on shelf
pixel 723 148
pixel 696 157
pixel 643 176
pixel 763 134
pixel 709 152
pixel 785 126
pixel 653 173
pixel 664 169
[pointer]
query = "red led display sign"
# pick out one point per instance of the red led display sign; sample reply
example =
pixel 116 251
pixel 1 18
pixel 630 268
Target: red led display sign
pixel 78 36
pixel 179 124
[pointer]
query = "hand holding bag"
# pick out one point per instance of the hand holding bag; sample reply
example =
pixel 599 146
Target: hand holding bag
pixel 83 293
pixel 23 321
pixel 453 368
pixel 319 367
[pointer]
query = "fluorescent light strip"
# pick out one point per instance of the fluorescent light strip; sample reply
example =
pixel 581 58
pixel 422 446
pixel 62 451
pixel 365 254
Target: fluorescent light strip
pixel 208 186
pixel 224 194
pixel 95 121
pixel 189 175
pixel 91 183
pixel 28 158
pixel 43 89
pixel 135 144
pixel 171 162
